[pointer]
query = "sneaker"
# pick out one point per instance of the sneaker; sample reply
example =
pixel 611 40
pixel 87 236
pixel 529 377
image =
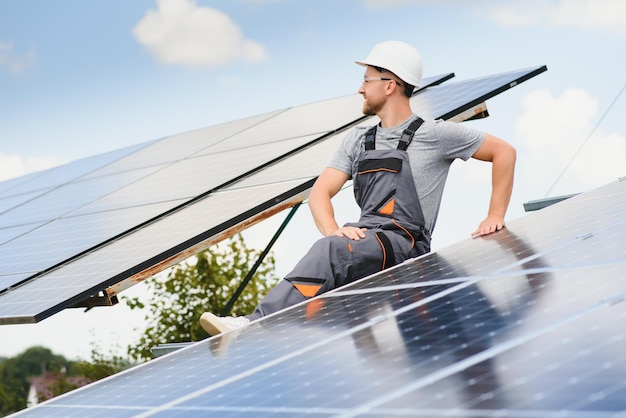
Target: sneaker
pixel 214 325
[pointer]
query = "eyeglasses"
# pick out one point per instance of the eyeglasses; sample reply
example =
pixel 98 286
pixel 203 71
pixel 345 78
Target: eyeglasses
pixel 368 79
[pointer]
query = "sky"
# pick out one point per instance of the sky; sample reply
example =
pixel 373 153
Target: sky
pixel 79 78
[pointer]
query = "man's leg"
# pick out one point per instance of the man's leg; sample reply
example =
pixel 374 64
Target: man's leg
pixel 331 262
pixel 318 265
pixel 284 294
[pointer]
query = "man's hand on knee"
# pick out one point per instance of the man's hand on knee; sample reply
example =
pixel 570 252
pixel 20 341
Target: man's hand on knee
pixel 351 232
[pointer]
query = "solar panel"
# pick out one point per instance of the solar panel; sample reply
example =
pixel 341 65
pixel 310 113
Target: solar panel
pixel 46 180
pixel 526 322
pixel 72 282
pixel 139 207
pixel 464 95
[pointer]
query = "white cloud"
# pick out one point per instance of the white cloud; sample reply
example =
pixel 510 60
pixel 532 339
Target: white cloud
pixel 180 32
pixel 12 165
pixel 514 14
pixel 13 62
pixel 606 15
pixel 554 129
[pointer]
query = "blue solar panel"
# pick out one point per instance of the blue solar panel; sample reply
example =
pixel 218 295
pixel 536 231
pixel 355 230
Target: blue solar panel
pixel 59 176
pixel 511 324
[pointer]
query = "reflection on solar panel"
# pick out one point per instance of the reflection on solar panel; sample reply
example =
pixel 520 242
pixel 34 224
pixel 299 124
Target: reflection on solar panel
pixel 527 322
pixel 147 206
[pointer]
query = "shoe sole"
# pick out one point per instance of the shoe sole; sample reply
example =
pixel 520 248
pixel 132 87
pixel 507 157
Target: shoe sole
pixel 212 324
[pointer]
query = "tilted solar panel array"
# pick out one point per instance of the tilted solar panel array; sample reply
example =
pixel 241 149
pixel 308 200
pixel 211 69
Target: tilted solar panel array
pixel 73 231
pixel 526 322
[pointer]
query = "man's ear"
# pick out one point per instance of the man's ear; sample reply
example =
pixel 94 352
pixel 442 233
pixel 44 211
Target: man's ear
pixel 391 87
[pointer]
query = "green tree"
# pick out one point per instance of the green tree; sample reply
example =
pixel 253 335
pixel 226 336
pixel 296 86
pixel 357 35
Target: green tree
pixel 16 373
pixel 98 367
pixel 203 283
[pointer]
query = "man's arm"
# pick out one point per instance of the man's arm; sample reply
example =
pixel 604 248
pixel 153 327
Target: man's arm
pixel 502 156
pixel 326 186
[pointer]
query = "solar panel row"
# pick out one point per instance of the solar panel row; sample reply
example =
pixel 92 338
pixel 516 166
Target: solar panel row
pixel 112 216
pixel 527 322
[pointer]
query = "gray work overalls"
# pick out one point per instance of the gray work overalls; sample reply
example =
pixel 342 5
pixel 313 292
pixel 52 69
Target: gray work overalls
pixel 391 212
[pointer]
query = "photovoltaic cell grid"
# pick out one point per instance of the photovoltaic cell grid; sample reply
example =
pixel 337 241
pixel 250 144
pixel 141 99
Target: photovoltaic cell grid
pixel 464 93
pixel 527 322
pixel 137 207
pixel 126 192
pixel 159 171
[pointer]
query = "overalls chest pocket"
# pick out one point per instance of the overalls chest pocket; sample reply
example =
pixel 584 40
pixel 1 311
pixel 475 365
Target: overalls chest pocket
pixel 376 184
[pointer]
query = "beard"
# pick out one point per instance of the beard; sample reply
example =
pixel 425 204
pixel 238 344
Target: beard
pixel 370 108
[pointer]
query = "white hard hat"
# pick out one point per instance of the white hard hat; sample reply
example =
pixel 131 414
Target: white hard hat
pixel 398 57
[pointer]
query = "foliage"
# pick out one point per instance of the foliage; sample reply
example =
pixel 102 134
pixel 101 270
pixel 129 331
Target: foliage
pixel 16 373
pixel 12 398
pixel 100 366
pixel 204 283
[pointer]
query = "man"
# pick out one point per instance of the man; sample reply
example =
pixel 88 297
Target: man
pixel 399 168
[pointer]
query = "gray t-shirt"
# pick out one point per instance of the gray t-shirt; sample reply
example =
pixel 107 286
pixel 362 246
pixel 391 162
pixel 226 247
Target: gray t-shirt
pixel 435 146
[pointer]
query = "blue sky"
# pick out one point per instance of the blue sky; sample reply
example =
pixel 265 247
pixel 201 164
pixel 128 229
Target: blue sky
pixel 78 78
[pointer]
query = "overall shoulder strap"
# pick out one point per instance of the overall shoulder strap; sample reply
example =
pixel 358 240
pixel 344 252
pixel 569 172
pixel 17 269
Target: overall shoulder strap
pixel 407 135
pixel 370 138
